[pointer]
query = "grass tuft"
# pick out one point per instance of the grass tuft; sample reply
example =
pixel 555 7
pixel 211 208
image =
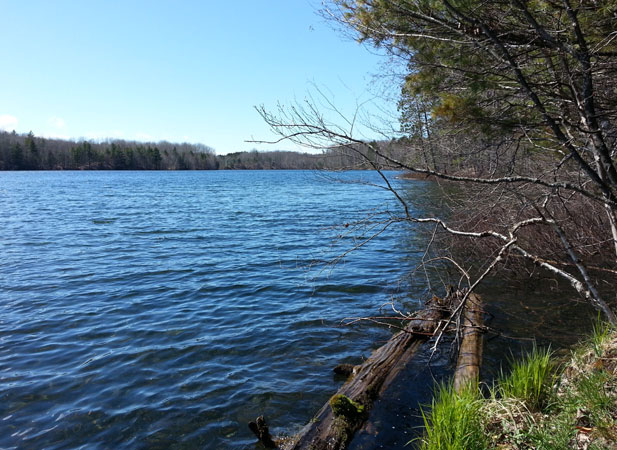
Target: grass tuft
pixel 539 405
pixel 530 379
pixel 454 421
pixel 599 336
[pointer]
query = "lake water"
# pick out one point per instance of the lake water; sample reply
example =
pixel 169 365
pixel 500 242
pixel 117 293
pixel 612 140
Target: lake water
pixel 159 309
pixel 168 309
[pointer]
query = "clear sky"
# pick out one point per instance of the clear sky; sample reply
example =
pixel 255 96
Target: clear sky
pixel 176 70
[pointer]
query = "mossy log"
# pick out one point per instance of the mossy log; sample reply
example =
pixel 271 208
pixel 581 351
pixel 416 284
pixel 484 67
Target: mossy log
pixel 333 430
pixel 470 351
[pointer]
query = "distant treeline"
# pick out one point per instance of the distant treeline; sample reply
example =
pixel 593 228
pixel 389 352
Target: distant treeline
pixel 29 152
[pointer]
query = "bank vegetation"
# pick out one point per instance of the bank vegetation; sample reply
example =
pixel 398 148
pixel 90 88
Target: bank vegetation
pixel 543 402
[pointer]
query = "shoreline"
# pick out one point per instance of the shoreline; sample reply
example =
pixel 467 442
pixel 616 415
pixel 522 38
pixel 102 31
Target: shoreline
pixel 543 402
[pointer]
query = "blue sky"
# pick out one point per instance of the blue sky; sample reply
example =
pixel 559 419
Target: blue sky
pixel 170 70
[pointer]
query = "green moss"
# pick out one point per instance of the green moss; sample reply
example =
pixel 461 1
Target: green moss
pixel 345 407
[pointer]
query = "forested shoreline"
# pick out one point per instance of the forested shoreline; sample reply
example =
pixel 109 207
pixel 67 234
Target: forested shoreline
pixel 516 106
pixel 30 152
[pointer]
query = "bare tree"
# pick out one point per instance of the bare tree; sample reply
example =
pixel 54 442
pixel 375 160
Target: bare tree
pixel 542 69
pixel 542 201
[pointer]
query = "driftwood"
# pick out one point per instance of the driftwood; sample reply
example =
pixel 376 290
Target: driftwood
pixel 334 425
pixel 470 350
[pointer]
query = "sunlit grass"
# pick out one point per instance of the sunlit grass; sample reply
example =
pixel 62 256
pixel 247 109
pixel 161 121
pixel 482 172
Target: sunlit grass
pixel 599 336
pixel 454 421
pixel 530 379
pixel 539 404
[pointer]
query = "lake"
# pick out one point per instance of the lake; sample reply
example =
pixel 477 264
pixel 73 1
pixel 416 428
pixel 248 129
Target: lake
pixel 158 309
pixel 168 309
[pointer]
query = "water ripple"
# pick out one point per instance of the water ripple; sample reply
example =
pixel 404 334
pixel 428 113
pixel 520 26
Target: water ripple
pixel 157 310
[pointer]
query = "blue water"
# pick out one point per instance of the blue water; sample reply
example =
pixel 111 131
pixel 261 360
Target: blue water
pixel 168 309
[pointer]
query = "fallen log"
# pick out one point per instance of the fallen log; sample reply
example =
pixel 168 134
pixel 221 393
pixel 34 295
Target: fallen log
pixel 470 351
pixel 334 425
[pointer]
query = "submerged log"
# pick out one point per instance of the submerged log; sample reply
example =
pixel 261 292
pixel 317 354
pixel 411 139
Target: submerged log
pixel 470 352
pixel 261 430
pixel 344 369
pixel 336 422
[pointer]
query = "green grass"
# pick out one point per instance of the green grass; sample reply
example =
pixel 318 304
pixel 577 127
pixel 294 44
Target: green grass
pixel 454 421
pixel 587 402
pixel 593 397
pixel 530 379
pixel 601 332
pixel 538 405
pixel 555 433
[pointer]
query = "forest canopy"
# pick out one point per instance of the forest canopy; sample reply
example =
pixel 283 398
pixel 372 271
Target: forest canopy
pixel 29 152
